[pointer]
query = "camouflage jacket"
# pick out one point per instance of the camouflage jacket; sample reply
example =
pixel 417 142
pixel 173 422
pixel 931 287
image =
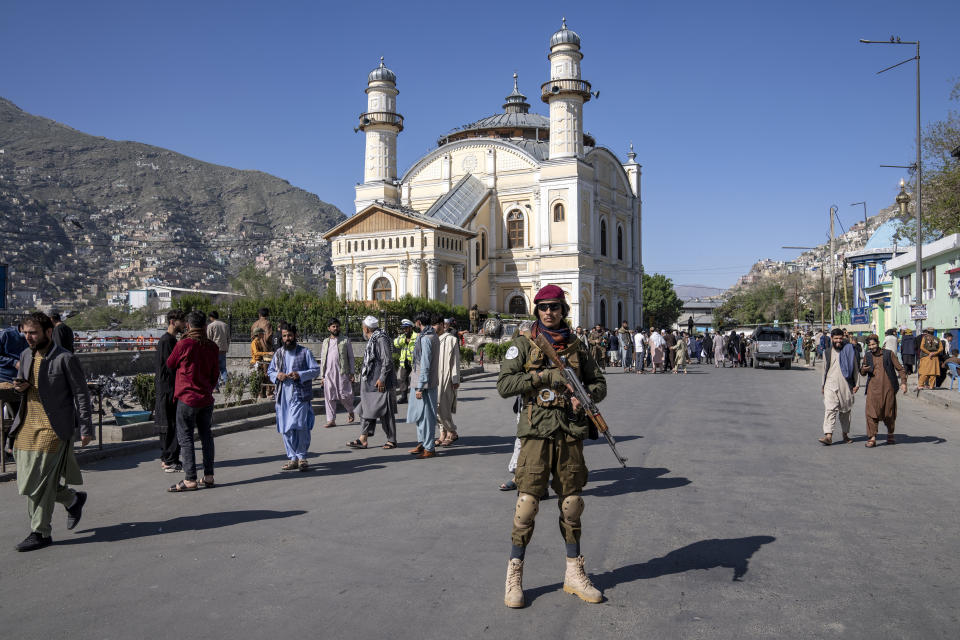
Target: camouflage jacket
pixel 540 414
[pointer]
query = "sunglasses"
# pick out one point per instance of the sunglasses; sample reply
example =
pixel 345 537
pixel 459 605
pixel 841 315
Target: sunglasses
pixel 549 306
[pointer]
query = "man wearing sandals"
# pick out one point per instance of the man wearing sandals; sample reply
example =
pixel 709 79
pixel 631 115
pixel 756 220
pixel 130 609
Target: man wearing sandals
pixel 378 382
pixel 292 370
pixel 884 375
pixel 449 382
pixel 551 428
pixel 195 362
pixel 336 370
pixel 839 388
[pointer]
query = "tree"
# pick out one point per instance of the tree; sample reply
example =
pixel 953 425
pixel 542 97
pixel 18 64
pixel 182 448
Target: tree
pixel 255 284
pixel 661 306
pixel 941 178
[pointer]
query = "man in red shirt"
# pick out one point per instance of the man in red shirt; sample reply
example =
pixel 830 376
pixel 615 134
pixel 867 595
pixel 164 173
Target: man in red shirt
pixel 195 363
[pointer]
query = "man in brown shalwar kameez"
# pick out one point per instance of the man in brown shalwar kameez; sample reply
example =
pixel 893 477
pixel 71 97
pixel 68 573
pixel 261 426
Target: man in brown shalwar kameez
pixel 883 371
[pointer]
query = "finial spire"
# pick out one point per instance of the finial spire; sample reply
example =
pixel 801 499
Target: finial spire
pixel 381 62
pixel 564 25
pixel 631 155
pixel 515 81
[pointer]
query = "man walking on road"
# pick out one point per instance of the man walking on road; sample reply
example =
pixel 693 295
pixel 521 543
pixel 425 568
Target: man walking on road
pixel 195 365
pixel 425 385
pixel 62 333
pixel 292 370
pixel 403 344
pixel 839 388
pixel 449 382
pixel 336 369
pixel 378 398
pixel 165 405
pixel 55 401
pixel 551 428
pixel 884 375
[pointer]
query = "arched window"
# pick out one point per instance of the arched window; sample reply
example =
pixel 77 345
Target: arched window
pixel 619 313
pixel 602 320
pixel 515 230
pixel 483 245
pixel 390 243
pixel 355 246
pixel 619 242
pixel 517 306
pixel 404 242
pixel 348 246
pixel 603 237
pixel 558 213
pixel 381 289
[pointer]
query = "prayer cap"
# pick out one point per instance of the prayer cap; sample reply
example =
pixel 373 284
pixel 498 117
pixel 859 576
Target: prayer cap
pixel 370 322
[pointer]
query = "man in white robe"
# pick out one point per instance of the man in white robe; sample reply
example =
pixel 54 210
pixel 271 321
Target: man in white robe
pixel 449 382
pixel 840 376
pixel 292 370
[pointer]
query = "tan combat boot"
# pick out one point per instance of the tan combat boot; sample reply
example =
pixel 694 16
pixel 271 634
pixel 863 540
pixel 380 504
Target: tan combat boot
pixel 577 582
pixel 513 595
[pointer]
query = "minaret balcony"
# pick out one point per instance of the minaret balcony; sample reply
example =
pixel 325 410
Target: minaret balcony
pixel 380 117
pixel 565 85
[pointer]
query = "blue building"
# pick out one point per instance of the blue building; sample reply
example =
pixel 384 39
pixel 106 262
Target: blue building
pixel 871 282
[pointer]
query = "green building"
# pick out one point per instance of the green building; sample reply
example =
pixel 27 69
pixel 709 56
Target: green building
pixel 940 285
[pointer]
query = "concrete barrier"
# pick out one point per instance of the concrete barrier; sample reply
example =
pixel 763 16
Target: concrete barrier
pixel 122 363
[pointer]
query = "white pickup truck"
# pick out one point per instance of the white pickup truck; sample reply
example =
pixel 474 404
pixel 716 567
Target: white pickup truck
pixel 770 344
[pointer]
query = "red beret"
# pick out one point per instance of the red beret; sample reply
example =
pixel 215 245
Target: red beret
pixel 549 292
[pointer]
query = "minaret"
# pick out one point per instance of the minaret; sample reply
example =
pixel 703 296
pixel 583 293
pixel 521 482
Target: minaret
pixel 380 123
pixel 565 93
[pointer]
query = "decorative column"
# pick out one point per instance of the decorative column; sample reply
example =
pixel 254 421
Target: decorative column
pixel 402 282
pixel 341 274
pixel 432 278
pixel 458 284
pixel 358 283
pixel 417 266
pixel 348 282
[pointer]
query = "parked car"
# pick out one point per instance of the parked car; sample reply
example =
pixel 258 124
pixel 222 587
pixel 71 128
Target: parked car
pixel 770 344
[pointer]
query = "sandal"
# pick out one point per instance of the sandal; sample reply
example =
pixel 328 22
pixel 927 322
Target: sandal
pixel 870 443
pixel 356 444
pixel 826 440
pixel 290 466
pixel 181 487
pixel 389 445
pixel 891 439
pixel 510 485
pixel 207 484
pixel 449 441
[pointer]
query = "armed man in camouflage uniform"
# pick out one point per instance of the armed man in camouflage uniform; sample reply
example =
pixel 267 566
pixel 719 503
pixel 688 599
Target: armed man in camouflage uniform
pixel 598 345
pixel 551 429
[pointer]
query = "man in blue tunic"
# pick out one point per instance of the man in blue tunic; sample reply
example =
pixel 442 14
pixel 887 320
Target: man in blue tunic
pixel 292 370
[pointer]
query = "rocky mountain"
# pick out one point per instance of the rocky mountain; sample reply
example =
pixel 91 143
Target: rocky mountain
pixel 81 216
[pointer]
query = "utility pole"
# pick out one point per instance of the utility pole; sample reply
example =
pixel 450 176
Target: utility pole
pixel 833 267
pixel 821 300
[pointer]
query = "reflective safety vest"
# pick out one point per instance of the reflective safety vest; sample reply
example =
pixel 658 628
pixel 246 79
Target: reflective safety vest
pixel 404 347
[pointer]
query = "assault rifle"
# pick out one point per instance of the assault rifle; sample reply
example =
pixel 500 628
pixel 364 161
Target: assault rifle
pixel 580 393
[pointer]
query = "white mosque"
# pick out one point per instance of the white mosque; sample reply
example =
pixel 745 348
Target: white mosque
pixel 501 207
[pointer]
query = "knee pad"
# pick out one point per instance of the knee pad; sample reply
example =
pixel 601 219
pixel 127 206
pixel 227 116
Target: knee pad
pixel 527 508
pixel 571 507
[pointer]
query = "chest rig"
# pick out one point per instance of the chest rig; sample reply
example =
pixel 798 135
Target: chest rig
pixel 537 361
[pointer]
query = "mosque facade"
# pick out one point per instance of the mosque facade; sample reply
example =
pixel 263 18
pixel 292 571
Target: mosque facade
pixel 499 208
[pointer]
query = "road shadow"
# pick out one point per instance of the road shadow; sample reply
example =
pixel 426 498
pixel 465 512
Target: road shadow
pixel 201 522
pixel 903 438
pixel 730 553
pixel 619 481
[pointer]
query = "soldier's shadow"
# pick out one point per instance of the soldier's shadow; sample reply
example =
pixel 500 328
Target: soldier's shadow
pixel 729 553
pixel 619 481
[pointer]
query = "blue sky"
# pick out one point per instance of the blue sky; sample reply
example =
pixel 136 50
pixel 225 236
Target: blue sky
pixel 749 118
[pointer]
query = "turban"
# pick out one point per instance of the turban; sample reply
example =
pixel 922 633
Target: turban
pixel 370 322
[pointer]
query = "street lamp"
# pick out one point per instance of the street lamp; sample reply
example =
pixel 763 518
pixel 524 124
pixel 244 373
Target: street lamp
pixel 918 166
pixel 866 231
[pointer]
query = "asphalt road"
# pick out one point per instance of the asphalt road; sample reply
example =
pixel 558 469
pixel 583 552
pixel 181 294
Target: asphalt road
pixel 730 522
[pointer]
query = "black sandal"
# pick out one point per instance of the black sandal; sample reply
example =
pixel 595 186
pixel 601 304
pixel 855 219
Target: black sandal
pixel 510 485
pixel 181 487
pixel 207 484
pixel 356 444
pixel 389 445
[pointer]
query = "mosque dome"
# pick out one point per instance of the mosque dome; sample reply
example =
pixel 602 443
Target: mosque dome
pixel 382 74
pixel 882 238
pixel 565 36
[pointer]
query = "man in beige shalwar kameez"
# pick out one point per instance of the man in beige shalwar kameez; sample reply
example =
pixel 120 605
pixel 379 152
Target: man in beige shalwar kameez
pixel 840 377
pixel 449 382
